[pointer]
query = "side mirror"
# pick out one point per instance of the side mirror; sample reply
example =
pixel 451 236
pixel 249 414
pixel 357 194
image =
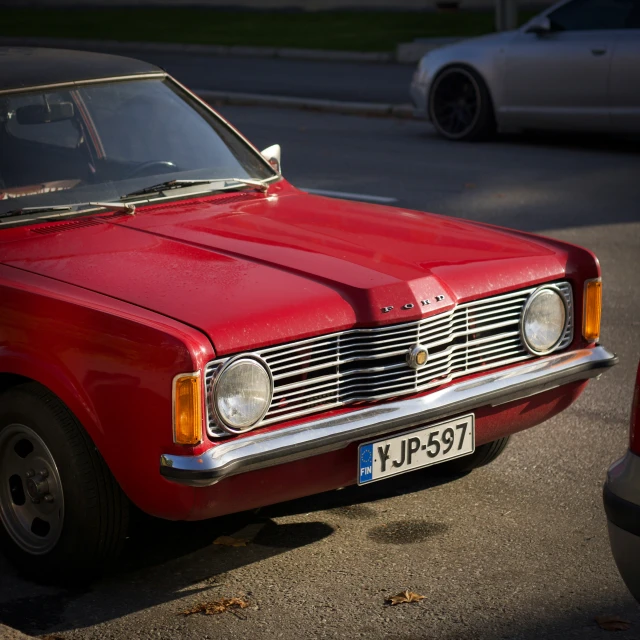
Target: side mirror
pixel 539 26
pixel 272 155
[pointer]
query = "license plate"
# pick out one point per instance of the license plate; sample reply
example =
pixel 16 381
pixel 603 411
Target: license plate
pixel 416 449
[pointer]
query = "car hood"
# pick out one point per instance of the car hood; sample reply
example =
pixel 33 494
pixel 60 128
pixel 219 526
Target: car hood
pixel 251 270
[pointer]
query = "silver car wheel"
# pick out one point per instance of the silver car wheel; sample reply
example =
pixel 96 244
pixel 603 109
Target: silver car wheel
pixel 455 103
pixel 31 495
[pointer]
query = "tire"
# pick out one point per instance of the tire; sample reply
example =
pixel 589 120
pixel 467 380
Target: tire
pixel 484 454
pixel 460 105
pixel 63 517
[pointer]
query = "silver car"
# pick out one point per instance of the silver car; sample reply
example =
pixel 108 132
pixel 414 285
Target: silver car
pixel 575 66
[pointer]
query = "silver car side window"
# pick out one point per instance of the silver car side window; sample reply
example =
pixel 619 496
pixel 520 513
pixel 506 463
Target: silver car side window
pixel 594 15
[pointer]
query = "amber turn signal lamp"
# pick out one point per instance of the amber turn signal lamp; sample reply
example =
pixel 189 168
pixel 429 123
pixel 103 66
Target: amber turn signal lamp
pixel 187 409
pixel 592 309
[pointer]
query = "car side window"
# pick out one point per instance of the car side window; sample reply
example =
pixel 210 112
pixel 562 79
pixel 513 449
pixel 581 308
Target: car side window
pixel 594 15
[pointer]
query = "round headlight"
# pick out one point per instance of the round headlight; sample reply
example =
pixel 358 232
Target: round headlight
pixel 544 320
pixel 242 394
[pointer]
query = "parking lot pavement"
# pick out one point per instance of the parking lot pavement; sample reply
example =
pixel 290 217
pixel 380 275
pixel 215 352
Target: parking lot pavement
pixel 532 183
pixel 517 549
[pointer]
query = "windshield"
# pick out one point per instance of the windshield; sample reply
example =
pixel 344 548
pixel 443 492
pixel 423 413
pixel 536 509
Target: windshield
pixel 103 141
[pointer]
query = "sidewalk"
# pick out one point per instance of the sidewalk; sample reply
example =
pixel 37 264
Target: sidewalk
pixel 333 86
pixel 406 53
pixel 271 78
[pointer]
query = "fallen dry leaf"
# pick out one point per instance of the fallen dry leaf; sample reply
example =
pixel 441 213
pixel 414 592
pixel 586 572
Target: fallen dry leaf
pixel 230 541
pixel 216 606
pixel 405 596
pixel 242 537
pixel 612 623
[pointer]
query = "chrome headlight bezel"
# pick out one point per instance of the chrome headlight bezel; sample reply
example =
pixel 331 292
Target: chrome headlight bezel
pixel 253 360
pixel 523 319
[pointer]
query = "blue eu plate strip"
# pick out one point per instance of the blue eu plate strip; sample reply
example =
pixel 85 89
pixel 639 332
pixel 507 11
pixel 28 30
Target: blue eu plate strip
pixel 366 463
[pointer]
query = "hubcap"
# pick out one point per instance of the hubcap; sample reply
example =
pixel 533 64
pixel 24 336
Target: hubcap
pixel 456 103
pixel 31 497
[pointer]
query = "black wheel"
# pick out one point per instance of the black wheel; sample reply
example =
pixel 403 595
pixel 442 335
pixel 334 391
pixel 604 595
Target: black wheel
pixel 63 517
pixel 484 454
pixel 460 106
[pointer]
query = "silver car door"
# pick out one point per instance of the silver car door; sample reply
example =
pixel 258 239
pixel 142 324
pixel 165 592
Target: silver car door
pixel 559 79
pixel 624 86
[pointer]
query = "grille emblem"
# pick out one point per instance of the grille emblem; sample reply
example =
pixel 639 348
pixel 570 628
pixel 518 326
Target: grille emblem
pixel 411 305
pixel 417 356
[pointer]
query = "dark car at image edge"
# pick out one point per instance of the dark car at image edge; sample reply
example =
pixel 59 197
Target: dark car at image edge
pixel 622 503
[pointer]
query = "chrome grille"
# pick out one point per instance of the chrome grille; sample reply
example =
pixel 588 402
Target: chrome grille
pixel 360 365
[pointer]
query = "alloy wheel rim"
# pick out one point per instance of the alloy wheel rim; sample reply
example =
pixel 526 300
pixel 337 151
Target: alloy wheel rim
pixel 456 103
pixel 31 495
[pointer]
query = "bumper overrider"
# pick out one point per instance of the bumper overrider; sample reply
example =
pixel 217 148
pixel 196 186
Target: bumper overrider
pixel 315 437
pixel 621 496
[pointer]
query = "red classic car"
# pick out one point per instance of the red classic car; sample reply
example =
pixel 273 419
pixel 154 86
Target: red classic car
pixel 183 330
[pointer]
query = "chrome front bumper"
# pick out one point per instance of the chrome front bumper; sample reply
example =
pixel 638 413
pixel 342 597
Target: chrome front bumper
pixel 260 450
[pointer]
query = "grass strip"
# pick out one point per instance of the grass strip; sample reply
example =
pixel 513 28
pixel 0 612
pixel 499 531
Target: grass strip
pixel 335 30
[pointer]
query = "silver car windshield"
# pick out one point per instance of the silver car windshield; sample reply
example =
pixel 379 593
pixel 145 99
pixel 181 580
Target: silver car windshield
pixel 103 141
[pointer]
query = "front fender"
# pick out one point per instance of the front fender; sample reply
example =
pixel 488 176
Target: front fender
pixel 110 363
pixel 48 371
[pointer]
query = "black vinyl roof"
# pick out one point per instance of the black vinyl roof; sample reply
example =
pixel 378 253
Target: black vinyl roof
pixel 22 67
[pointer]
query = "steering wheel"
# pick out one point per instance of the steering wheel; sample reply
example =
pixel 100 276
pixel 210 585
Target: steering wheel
pixel 152 167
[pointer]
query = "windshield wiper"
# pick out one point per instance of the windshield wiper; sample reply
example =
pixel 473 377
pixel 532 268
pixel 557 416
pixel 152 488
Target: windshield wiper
pixel 166 186
pixel 54 209
pixel 180 184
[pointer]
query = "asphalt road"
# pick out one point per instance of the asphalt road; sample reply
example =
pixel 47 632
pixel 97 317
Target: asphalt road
pixel 517 549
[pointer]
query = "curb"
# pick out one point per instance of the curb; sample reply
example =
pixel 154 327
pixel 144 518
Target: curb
pixel 406 111
pixel 206 49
